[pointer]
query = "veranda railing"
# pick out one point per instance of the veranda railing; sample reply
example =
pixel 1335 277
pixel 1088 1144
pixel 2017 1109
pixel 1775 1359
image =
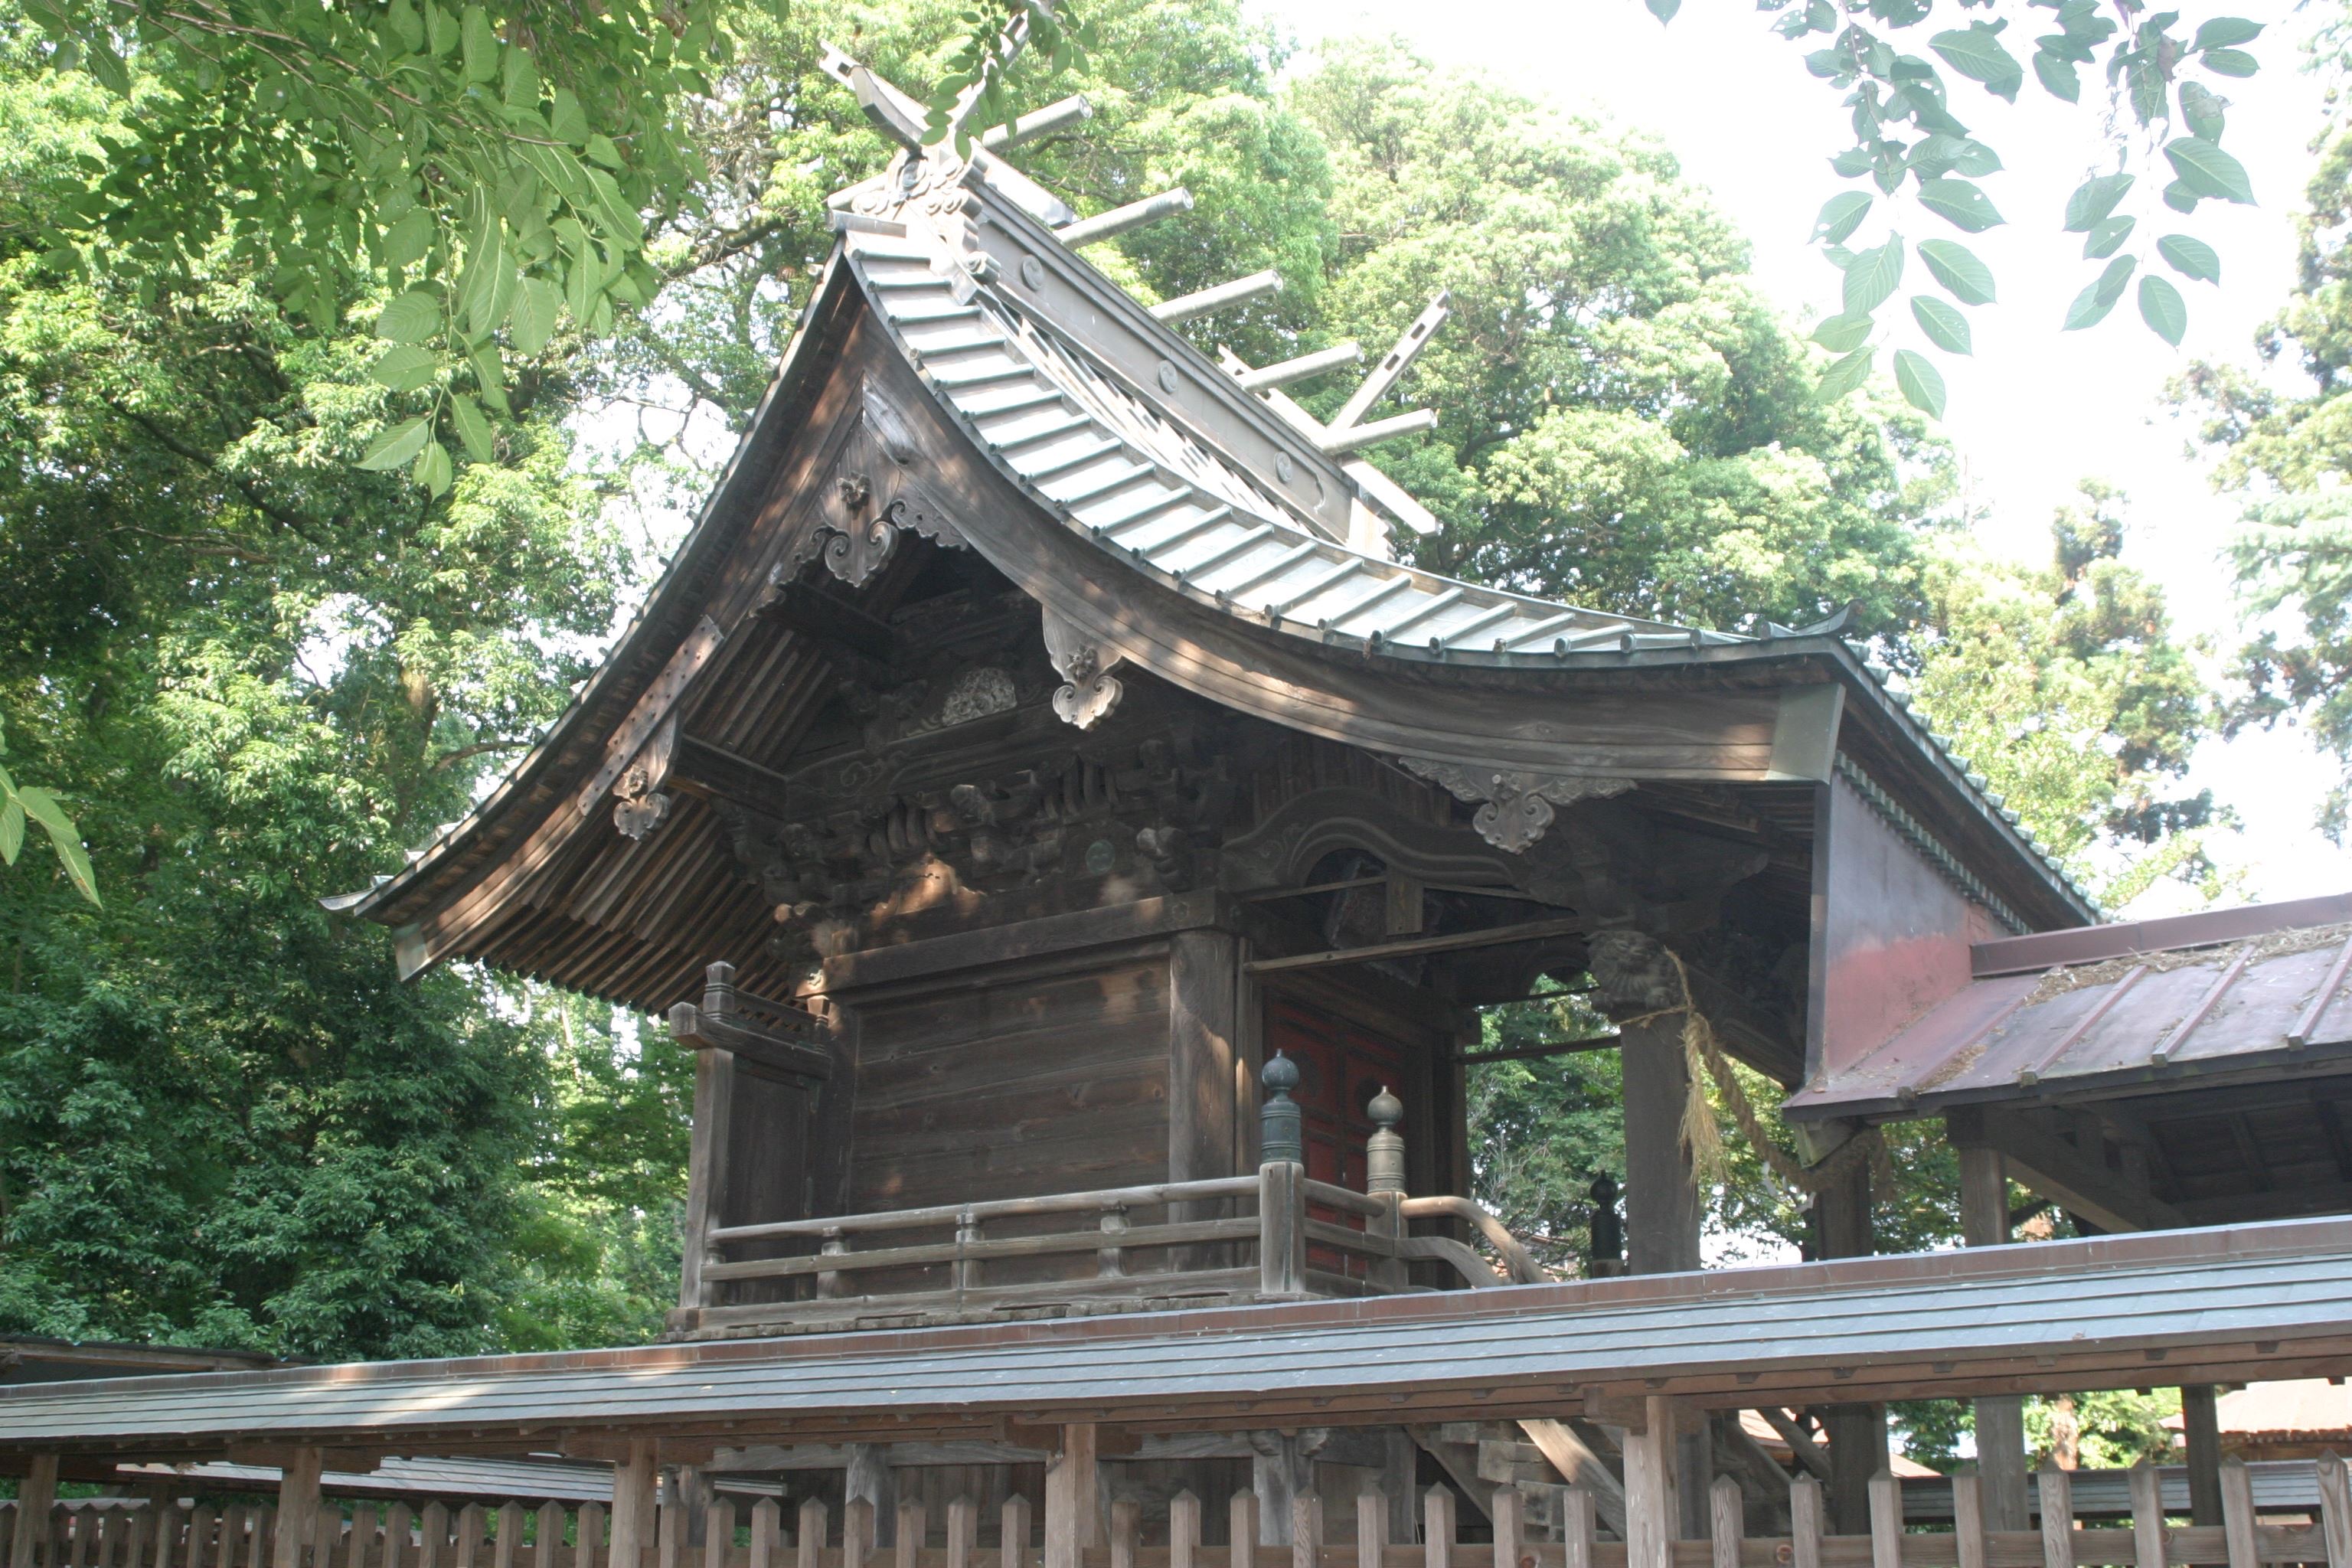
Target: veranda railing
pixel 1274 1235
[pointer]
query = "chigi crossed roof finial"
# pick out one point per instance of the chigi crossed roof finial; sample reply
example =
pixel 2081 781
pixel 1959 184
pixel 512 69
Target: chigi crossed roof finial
pixel 927 164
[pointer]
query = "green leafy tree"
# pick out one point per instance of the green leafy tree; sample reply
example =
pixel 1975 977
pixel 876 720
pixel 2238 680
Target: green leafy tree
pixel 1909 148
pixel 2067 685
pixel 2282 450
pixel 263 673
pixel 1624 421
pixel 489 168
pixel 598 1247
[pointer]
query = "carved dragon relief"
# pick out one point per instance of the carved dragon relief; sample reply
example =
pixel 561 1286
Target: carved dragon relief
pixel 1091 690
pixel 1517 803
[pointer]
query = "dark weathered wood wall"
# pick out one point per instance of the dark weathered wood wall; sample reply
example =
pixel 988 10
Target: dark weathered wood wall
pixel 1013 1084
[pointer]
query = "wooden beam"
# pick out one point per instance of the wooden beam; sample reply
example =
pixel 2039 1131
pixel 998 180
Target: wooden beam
pixel 1493 936
pixel 1223 297
pixel 1395 363
pixel 1134 215
pixel 1305 367
pixel 804 608
pixel 2039 1157
pixel 1856 1433
pixel 1650 1505
pixel 1072 111
pixel 1553 1048
pixel 1802 1447
pixel 1355 437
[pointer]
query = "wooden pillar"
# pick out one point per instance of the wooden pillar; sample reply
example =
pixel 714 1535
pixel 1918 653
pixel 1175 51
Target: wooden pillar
pixel 1651 1510
pixel 1203 1028
pixel 1204 974
pixel 634 1497
pixel 36 1494
pixel 1663 1213
pixel 1279 1475
pixel 2200 1427
pixel 1071 1520
pixel 1857 1433
pixel 871 1481
pixel 1662 1199
pixel 707 1165
pixel 297 1505
pixel 2000 1417
pixel 1400 1461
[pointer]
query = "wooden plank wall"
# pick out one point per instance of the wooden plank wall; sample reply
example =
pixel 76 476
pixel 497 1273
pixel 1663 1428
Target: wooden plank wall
pixel 1024 1084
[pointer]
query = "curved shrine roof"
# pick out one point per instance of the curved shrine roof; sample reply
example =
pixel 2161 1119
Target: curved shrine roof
pixel 1232 504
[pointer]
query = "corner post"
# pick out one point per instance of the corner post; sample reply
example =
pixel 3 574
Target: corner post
pixel 709 1153
pixel 1281 1186
pixel 1384 1178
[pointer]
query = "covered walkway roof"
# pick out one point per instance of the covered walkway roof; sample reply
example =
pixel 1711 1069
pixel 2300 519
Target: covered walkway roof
pixel 2251 1301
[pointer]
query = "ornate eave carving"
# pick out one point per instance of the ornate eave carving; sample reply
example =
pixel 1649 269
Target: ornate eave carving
pixel 1516 805
pixel 1092 691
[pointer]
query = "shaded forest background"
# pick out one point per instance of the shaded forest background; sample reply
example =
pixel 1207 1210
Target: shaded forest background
pixel 258 674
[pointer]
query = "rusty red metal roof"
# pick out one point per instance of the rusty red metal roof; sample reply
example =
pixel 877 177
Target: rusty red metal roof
pixel 2253 993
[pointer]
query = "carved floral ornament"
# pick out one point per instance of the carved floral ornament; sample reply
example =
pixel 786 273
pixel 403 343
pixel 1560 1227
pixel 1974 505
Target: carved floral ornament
pixel 1092 691
pixel 639 805
pixel 1517 803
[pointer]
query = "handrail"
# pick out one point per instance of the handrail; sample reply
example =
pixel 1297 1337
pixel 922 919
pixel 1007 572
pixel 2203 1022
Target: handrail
pixel 1345 1201
pixel 1524 1269
pixel 1181 1233
pixel 1475 1271
pixel 1288 1215
pixel 996 1208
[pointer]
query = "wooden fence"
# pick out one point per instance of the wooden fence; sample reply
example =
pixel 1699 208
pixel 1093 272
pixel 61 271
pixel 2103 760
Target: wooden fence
pixel 136 1533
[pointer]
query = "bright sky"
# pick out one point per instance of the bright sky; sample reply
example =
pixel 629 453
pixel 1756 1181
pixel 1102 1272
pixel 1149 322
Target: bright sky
pixel 2036 409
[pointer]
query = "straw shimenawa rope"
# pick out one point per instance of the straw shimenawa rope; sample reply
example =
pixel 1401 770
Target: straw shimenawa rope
pixel 1702 1139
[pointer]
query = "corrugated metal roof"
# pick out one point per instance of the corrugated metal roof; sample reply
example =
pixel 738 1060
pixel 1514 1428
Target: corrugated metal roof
pixel 2266 1294
pixel 2157 1003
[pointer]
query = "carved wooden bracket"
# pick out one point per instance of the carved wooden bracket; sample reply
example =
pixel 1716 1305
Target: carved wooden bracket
pixel 872 502
pixel 637 757
pixel 866 538
pixel 1518 802
pixel 1092 690
pixel 639 807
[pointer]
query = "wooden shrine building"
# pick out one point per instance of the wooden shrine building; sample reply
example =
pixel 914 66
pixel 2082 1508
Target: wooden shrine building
pixel 1077 850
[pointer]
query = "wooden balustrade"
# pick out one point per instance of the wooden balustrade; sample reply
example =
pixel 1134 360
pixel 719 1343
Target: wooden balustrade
pixel 138 1533
pixel 1284 1236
